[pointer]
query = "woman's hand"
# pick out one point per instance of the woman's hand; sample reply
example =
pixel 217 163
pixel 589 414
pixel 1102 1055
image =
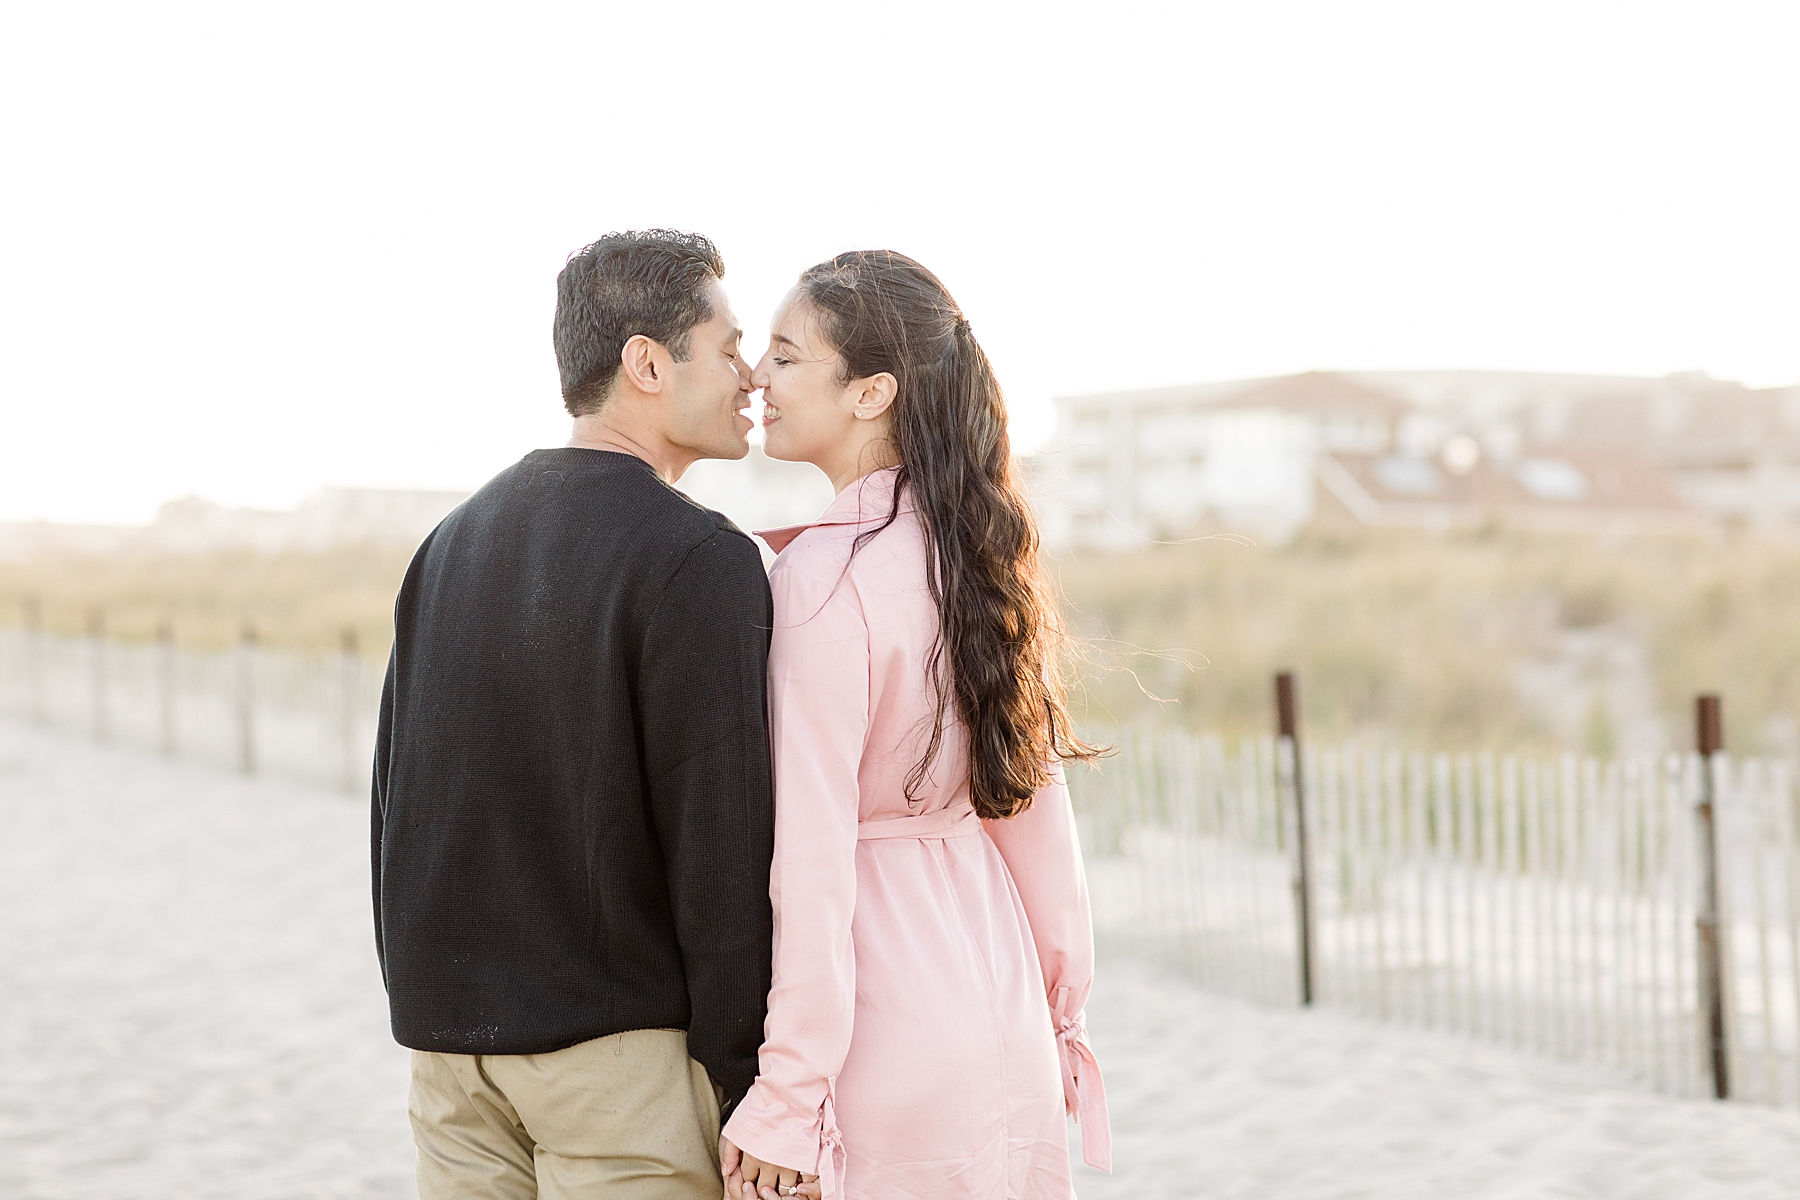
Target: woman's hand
pixel 748 1177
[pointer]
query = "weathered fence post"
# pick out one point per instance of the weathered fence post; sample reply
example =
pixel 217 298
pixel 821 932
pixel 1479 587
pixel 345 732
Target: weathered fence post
pixel 35 707
pixel 165 686
pixel 97 673
pixel 1293 782
pixel 1710 737
pixel 246 701
pixel 349 674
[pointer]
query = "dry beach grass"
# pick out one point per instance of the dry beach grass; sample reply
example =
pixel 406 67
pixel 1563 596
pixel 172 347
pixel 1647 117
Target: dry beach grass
pixel 1454 641
pixel 293 600
pixel 1431 640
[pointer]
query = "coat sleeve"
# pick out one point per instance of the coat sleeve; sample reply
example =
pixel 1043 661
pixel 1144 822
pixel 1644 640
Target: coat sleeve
pixel 1043 855
pixel 819 718
pixel 701 699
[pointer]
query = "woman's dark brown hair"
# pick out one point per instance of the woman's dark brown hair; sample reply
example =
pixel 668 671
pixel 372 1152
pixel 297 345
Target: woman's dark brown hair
pixel 998 632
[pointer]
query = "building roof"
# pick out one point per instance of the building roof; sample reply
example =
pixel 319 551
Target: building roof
pixel 1563 485
pixel 1318 393
pixel 1322 393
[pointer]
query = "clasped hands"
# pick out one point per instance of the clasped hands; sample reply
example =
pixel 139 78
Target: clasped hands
pixel 748 1177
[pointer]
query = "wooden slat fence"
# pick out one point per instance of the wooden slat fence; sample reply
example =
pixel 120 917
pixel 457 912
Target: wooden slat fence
pixel 252 709
pixel 1543 904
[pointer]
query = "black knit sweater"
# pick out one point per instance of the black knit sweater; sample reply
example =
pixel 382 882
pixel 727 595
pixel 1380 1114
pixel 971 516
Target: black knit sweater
pixel 573 813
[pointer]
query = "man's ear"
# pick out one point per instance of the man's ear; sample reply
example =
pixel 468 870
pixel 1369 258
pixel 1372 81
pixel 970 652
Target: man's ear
pixel 874 395
pixel 644 363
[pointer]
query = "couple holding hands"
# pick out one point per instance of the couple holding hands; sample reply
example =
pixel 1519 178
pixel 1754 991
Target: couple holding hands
pixel 688 876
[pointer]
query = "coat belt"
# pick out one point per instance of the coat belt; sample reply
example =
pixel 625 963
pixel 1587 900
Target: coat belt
pixel 959 820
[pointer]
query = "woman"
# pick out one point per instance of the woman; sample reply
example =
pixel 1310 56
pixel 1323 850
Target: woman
pixel 933 949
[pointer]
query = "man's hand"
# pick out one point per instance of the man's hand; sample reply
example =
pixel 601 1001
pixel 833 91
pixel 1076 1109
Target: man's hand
pixel 748 1177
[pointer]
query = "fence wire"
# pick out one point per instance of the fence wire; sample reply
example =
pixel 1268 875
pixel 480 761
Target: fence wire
pixel 1548 905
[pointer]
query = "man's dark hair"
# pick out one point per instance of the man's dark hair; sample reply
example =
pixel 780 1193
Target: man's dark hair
pixel 648 281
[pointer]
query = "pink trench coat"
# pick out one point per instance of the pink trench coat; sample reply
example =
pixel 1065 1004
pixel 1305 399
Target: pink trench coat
pixel 924 1035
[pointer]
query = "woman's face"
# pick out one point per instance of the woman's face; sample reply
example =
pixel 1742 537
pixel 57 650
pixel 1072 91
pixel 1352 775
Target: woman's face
pixel 808 413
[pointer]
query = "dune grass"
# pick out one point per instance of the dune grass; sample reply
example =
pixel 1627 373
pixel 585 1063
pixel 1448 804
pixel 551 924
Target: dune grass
pixel 303 601
pixel 1416 639
pixel 1410 638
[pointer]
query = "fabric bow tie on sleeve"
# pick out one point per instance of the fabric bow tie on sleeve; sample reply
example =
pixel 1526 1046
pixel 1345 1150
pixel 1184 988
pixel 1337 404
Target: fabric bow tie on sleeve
pixel 1083 1092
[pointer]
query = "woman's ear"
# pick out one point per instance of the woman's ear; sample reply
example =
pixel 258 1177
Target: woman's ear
pixel 874 395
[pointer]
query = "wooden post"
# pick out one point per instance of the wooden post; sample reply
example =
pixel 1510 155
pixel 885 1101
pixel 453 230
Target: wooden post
pixel 349 671
pixel 1288 764
pixel 246 701
pixel 35 706
pixel 165 685
pixel 102 727
pixel 1710 737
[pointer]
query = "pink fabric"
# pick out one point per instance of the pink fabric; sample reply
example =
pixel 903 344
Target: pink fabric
pixel 924 1036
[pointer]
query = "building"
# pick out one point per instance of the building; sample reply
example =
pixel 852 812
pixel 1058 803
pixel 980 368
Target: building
pixel 1423 449
pixel 1730 452
pixel 757 492
pixel 324 520
pixel 1128 468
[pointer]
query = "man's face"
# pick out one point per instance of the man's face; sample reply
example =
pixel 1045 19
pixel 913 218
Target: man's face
pixel 710 391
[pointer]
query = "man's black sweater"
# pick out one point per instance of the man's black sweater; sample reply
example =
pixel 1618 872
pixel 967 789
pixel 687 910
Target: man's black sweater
pixel 573 811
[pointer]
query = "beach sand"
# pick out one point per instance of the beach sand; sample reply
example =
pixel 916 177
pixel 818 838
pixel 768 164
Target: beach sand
pixel 190 1007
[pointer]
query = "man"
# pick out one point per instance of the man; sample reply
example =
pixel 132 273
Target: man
pixel 572 806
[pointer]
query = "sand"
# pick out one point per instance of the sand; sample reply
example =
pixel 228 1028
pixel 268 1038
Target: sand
pixel 190 1000
pixel 189 1007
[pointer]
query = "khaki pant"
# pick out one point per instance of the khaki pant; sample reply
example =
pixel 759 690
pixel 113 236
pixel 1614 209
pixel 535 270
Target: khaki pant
pixel 626 1117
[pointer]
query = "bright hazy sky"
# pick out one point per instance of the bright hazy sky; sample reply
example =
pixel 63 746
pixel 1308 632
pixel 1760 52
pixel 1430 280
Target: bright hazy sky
pixel 251 249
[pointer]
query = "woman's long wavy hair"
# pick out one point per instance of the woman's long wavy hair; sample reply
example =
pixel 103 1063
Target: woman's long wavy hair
pixel 999 633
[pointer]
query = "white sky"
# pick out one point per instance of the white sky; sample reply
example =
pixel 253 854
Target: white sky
pixel 251 249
